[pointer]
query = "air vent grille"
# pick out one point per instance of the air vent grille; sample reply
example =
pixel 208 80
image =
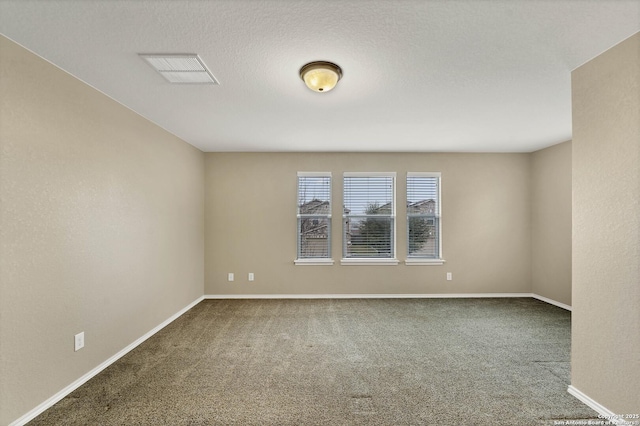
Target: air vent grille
pixel 180 68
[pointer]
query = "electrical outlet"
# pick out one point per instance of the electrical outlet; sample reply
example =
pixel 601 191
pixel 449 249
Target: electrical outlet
pixel 230 276
pixel 79 341
pixel 449 276
pixel 251 276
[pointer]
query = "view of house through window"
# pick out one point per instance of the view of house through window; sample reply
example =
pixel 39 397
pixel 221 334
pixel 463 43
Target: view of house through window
pixel 369 216
pixel 423 215
pixel 368 213
pixel 314 215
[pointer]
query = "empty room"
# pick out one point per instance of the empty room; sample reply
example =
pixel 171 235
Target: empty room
pixel 319 213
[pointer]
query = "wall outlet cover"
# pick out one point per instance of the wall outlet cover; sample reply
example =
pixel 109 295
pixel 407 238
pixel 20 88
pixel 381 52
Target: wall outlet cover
pixel 78 341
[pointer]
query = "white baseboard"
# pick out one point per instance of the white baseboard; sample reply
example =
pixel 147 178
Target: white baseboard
pixel 365 296
pixel 82 380
pixel 607 414
pixel 387 296
pixel 551 301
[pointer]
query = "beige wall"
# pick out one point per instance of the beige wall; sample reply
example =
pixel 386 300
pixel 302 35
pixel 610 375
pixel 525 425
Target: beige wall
pixel 606 233
pixel 551 223
pixel 101 228
pixel 250 206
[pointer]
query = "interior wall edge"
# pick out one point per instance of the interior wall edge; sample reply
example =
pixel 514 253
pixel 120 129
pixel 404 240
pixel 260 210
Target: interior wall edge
pixel 551 187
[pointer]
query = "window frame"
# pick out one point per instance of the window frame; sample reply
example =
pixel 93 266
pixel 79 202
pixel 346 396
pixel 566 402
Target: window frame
pixel 370 260
pixel 418 260
pixel 314 261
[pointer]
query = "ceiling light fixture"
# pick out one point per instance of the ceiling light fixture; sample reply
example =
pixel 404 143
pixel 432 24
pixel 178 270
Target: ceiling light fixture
pixel 320 76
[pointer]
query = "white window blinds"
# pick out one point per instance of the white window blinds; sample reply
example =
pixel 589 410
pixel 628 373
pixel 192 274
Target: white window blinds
pixel 423 215
pixel 369 215
pixel 314 215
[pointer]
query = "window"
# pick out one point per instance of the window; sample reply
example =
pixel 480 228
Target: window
pixel 423 218
pixel 369 218
pixel 314 218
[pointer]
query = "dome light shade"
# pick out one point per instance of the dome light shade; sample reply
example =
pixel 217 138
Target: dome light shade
pixel 320 76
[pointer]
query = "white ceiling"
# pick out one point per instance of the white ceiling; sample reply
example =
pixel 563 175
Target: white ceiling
pixel 468 75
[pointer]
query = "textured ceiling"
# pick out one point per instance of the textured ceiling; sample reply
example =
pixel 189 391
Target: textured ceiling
pixel 481 76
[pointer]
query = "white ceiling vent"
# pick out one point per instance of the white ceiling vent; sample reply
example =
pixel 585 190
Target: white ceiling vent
pixel 181 68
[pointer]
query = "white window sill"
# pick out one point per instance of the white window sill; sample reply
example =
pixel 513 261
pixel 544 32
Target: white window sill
pixel 424 262
pixel 363 261
pixel 313 262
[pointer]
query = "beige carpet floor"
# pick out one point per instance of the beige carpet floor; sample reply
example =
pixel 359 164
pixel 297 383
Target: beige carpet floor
pixel 340 362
